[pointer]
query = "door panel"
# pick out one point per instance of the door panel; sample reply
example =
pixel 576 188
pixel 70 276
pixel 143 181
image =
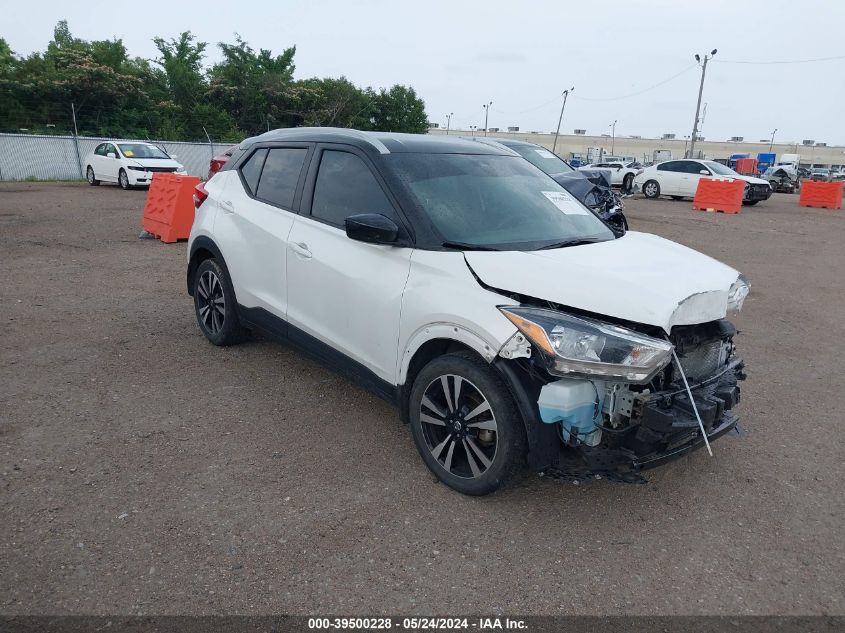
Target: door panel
pixel 253 237
pixel 347 293
pixel 254 231
pixel 670 181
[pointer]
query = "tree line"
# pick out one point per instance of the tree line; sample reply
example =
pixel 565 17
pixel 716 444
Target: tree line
pixel 176 97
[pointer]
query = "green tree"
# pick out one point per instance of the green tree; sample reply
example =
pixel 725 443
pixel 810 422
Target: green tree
pixel 256 89
pixel 398 109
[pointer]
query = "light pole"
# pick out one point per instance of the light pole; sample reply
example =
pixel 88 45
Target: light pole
pixel 686 141
pixel 772 142
pixel 613 138
pixel 486 107
pixel 565 95
pixel 449 121
pixel 473 128
pixel 698 105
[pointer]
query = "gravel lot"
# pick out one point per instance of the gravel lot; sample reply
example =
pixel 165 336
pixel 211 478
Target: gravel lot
pixel 143 471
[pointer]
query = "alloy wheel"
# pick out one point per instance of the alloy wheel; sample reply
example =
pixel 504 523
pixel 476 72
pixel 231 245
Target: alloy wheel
pixel 212 303
pixel 124 180
pixel 459 426
pixel 90 175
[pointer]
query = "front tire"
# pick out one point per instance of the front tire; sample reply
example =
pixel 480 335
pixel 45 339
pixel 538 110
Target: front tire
pixel 651 189
pixel 89 175
pixel 627 183
pixel 750 203
pixel 215 305
pixel 123 180
pixel 465 424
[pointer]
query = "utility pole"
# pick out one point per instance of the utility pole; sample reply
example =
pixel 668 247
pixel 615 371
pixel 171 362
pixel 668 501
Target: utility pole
pixel 486 107
pixel 772 142
pixel 698 105
pixel 560 118
pixel 449 121
pixel 76 140
pixel 613 139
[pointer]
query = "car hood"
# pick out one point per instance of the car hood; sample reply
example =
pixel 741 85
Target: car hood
pixel 749 179
pixel 155 162
pixel 638 277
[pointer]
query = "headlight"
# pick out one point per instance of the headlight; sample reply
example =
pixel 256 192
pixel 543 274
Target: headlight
pixel 736 295
pixel 134 168
pixel 573 346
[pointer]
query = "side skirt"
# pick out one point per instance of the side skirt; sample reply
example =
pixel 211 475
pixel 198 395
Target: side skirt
pixel 283 332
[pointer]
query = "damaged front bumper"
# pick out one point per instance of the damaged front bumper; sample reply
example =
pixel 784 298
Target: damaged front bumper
pixel 645 429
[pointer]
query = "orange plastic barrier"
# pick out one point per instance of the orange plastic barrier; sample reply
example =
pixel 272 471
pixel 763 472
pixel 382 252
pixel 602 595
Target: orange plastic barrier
pixel 169 210
pixel 746 166
pixel 827 195
pixel 719 194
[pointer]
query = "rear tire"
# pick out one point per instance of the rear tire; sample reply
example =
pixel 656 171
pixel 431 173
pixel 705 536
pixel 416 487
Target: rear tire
pixel 627 183
pixel 215 305
pixel 89 175
pixel 651 189
pixel 750 203
pixel 477 446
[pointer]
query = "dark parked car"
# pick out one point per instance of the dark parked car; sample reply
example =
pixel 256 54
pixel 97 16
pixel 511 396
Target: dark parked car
pixel 590 186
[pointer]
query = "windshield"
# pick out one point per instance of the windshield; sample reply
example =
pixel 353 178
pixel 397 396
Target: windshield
pixel 498 202
pixel 719 168
pixel 141 150
pixel 542 158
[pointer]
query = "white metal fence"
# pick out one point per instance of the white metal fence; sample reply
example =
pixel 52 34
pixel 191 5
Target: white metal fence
pixel 34 157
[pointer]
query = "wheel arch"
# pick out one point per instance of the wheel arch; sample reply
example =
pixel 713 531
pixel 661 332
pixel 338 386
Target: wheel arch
pixel 429 343
pixel 202 248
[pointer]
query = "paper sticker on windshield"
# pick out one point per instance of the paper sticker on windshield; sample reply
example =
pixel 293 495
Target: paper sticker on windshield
pixel 544 153
pixel 566 203
pixel 128 153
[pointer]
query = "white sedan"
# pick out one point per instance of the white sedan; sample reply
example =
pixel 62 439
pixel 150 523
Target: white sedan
pixel 679 179
pixel 128 164
pixel 622 174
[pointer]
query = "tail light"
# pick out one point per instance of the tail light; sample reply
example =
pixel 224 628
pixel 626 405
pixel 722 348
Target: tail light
pixel 200 195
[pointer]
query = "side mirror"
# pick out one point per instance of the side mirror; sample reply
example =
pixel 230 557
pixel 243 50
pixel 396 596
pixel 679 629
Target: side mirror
pixel 373 228
pixel 704 172
pixel 111 155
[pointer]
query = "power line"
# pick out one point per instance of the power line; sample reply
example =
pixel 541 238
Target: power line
pixel 644 90
pixel 791 61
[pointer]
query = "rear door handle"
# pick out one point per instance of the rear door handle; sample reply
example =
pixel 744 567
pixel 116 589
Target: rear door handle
pixel 301 249
pixel 227 206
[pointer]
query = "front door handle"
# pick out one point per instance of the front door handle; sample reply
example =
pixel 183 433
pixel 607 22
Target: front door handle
pixel 301 249
pixel 227 206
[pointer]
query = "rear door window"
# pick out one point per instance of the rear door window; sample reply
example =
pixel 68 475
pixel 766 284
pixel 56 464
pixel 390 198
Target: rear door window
pixel 345 186
pixel 672 165
pixel 281 175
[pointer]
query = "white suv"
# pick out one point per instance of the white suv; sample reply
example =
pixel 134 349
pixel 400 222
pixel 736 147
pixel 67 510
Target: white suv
pixel 502 317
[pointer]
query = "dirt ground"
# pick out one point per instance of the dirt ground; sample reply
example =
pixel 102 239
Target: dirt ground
pixel 144 471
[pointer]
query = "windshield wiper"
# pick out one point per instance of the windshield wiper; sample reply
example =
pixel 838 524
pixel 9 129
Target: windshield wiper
pixel 465 246
pixel 565 243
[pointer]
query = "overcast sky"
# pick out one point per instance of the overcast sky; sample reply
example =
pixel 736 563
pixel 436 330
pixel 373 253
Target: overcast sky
pixel 521 56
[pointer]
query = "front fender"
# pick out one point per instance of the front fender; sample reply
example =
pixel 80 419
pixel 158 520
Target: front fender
pixel 448 331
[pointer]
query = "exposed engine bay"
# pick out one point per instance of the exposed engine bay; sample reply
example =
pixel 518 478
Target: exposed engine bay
pixel 615 429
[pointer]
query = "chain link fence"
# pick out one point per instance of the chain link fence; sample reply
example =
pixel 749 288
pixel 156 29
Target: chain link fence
pixel 35 157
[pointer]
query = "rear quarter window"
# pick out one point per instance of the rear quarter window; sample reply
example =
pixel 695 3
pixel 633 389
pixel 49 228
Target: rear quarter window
pixel 251 170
